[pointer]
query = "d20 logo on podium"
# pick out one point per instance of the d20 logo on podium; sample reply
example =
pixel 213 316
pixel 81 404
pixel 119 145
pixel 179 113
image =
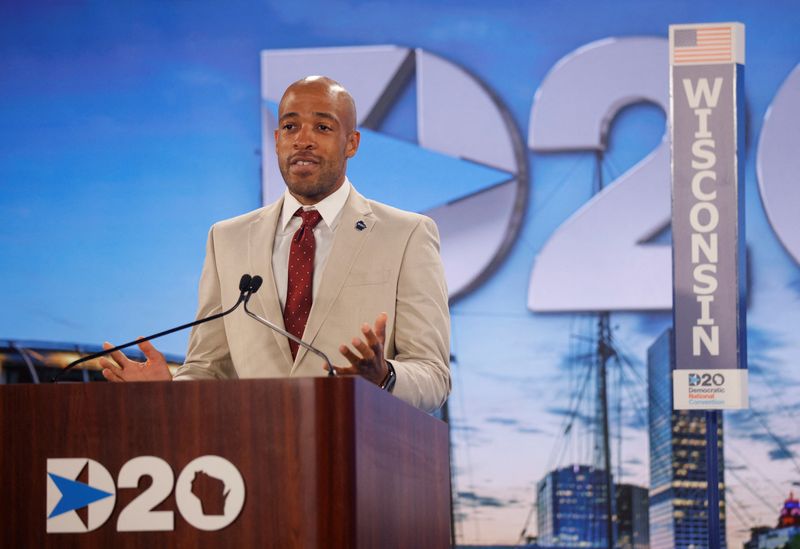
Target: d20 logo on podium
pixel 80 495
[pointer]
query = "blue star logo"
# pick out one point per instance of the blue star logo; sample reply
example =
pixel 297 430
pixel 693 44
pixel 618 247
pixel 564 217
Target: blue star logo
pixel 413 178
pixel 694 379
pixel 74 495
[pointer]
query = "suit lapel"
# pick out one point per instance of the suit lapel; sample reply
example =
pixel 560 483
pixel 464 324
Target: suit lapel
pixel 347 242
pixel 262 238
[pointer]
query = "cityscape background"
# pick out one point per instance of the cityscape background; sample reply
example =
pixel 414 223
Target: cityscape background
pixel 128 129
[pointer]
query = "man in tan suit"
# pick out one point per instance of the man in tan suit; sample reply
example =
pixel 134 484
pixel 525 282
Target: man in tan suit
pixel 369 261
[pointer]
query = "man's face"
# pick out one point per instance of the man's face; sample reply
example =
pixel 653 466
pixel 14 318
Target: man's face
pixel 314 139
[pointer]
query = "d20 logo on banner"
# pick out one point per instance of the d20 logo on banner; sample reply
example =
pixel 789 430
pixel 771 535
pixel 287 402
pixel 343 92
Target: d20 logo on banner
pixel 66 495
pixel 467 170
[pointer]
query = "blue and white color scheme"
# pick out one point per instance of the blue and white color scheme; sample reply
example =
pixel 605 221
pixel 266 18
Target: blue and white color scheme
pixel 66 495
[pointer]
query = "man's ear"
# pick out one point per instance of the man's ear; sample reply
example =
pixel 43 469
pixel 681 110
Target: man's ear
pixel 353 141
pixel 276 140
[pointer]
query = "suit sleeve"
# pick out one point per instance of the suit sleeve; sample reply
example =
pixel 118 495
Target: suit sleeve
pixel 422 322
pixel 208 356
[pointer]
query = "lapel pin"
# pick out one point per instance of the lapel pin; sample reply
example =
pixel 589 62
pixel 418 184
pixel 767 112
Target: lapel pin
pixel 360 225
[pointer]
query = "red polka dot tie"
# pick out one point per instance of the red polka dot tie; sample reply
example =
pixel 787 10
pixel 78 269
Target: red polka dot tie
pixel 301 276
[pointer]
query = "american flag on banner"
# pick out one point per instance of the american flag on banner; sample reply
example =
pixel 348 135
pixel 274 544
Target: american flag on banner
pixel 703 45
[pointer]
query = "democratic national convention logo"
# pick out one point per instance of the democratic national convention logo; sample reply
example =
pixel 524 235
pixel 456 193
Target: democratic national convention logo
pixel 80 495
pixel 466 167
pixel 209 494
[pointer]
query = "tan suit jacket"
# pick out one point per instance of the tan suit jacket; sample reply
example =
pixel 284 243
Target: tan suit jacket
pixel 392 265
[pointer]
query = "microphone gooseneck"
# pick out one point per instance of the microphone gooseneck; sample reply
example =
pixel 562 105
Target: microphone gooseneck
pixel 245 290
pixel 254 286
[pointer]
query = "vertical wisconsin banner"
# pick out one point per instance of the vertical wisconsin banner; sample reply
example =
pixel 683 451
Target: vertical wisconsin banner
pixel 707 107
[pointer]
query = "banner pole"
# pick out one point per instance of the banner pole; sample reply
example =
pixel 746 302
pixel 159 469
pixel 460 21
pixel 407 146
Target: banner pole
pixel 712 478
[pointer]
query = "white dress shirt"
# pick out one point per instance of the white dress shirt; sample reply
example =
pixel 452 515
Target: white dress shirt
pixel 330 208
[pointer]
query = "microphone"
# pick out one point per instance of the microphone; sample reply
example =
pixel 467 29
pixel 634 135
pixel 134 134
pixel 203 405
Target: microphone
pixel 245 282
pixel 255 284
pixel 245 289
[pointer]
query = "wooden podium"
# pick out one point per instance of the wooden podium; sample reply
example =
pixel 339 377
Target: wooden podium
pixel 325 462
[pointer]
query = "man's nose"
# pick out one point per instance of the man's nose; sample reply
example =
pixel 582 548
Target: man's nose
pixel 304 138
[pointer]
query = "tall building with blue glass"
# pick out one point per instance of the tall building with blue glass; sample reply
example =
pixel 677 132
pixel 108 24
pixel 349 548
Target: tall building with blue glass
pixel 678 504
pixel 632 512
pixel 571 508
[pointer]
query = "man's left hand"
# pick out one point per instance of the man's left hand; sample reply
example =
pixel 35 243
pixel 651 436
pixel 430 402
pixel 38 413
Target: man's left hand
pixel 368 361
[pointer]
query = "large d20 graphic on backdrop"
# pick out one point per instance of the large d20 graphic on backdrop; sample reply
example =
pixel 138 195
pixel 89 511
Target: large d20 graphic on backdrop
pixel 467 169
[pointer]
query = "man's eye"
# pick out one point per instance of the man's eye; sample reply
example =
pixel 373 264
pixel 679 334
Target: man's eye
pixel 324 128
pixel 288 126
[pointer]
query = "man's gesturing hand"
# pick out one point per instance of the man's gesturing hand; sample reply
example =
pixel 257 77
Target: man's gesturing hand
pixel 154 369
pixel 369 361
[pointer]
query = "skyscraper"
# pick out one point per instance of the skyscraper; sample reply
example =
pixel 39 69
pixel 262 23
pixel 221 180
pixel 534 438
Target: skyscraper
pixel 678 506
pixel 571 508
pixel 633 525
